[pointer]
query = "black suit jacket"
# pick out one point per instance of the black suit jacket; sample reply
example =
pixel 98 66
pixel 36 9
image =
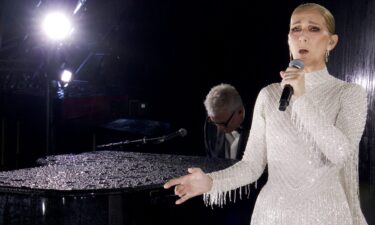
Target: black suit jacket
pixel 216 143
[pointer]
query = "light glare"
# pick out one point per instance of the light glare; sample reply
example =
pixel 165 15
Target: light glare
pixel 57 26
pixel 66 76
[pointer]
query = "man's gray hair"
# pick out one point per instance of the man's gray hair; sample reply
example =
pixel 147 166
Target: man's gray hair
pixel 222 98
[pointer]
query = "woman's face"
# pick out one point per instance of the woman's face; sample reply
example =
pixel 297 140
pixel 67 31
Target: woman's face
pixel 309 38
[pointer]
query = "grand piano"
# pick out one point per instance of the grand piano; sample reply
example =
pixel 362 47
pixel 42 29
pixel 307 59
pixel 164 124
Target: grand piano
pixel 104 188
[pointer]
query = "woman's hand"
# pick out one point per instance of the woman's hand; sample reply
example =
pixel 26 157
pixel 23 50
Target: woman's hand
pixel 191 185
pixel 296 78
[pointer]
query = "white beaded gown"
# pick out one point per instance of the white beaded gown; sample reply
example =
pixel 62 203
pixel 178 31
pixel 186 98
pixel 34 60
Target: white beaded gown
pixel 311 151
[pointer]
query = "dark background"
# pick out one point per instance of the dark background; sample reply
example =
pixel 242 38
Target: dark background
pixel 165 55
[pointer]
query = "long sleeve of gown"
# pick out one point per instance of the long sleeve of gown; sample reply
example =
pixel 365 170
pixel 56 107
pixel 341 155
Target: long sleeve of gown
pixel 250 167
pixel 337 141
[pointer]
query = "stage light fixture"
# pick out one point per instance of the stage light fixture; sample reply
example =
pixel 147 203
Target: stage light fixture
pixel 66 76
pixel 57 26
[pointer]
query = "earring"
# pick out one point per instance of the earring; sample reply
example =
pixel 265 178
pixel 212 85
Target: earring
pixel 290 56
pixel 327 55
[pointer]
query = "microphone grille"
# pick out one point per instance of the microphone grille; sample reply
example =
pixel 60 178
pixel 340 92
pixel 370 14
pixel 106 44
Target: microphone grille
pixel 182 132
pixel 296 63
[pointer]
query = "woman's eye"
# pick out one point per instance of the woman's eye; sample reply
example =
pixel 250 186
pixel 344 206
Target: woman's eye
pixel 295 29
pixel 314 29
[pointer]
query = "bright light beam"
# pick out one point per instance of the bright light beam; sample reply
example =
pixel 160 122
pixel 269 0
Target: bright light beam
pixel 57 26
pixel 66 76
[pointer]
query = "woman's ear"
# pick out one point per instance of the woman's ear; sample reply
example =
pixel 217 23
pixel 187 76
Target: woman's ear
pixel 332 42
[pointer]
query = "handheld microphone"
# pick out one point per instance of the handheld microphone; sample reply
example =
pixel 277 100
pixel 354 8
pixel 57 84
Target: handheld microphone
pixel 288 89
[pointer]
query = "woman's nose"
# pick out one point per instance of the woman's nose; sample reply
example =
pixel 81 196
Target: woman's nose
pixel 303 37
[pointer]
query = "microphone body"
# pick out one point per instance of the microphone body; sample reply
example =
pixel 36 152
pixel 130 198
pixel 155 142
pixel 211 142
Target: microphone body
pixel 180 133
pixel 288 89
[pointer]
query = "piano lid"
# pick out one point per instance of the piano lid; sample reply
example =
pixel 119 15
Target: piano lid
pixel 104 172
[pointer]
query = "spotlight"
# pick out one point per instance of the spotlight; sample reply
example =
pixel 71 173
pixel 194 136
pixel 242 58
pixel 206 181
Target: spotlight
pixel 57 26
pixel 66 76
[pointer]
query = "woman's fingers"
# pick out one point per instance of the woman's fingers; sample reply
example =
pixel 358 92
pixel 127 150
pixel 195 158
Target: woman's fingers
pixel 180 180
pixel 173 182
pixel 190 185
pixel 183 199
pixel 194 170
pixel 179 190
pixel 295 78
pixel 290 75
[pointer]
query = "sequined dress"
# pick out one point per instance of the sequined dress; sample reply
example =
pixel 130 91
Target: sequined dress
pixel 311 151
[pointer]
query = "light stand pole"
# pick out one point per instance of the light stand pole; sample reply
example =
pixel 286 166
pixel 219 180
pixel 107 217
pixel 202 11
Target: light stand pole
pixel 48 114
pixel 48 107
pixel 48 74
pixel 57 27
